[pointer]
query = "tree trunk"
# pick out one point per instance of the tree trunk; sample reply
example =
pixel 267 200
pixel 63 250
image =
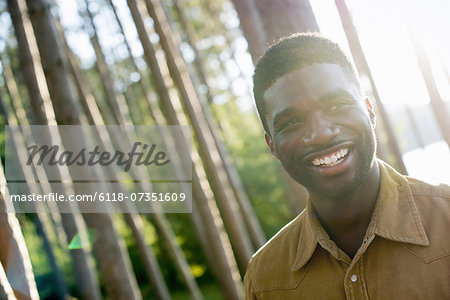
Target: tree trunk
pixel 252 27
pixel 363 67
pixel 444 69
pixel 438 106
pixel 26 61
pixel 109 248
pixel 116 102
pixel 220 246
pixel 13 250
pixel 214 14
pixel 252 224
pixel 192 41
pixel 161 221
pixel 40 219
pixel 133 220
pixel 17 107
pixel 284 17
pixel 6 291
pixel 264 21
pixel 142 85
pixel 208 151
pixel 159 120
pixel 73 224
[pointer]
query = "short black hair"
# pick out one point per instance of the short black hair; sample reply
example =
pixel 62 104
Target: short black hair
pixel 291 53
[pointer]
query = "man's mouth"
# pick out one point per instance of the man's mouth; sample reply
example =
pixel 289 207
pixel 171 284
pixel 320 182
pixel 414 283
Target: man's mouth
pixel 331 159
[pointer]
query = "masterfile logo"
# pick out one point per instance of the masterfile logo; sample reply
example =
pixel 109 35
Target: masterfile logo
pixel 101 168
pixel 85 157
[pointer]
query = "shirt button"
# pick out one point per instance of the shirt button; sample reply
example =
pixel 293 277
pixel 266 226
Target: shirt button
pixel 353 278
pixel 365 240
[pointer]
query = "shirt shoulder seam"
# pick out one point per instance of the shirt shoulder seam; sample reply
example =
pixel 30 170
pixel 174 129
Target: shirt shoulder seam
pixel 283 231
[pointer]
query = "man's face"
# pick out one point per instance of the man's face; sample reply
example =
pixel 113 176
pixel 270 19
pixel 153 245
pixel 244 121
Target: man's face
pixel 321 129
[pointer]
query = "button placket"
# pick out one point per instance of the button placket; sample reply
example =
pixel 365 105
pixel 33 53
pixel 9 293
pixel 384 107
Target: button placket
pixel 354 285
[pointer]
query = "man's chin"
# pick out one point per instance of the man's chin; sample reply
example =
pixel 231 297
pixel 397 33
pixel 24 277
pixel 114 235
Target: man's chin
pixel 336 188
pixel 337 193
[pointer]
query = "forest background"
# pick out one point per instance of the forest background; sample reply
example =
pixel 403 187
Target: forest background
pixel 149 62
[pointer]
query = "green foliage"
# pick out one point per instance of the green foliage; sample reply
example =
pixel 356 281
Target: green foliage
pixel 42 270
pixel 186 238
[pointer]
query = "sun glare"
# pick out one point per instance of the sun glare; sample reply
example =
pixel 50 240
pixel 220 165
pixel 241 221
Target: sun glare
pixel 385 29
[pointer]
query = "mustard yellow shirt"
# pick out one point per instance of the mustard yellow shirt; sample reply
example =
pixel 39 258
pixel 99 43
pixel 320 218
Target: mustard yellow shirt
pixel 405 253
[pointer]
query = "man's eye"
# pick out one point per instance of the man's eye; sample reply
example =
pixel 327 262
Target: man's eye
pixel 336 107
pixel 291 121
pixel 287 124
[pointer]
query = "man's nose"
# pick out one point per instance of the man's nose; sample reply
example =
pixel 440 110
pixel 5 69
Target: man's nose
pixel 320 130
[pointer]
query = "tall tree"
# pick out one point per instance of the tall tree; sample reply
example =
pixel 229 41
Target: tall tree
pixel 270 21
pixel 17 106
pixel 192 41
pixel 133 220
pixel 160 220
pixel 198 194
pixel 85 275
pixel 154 112
pixel 109 248
pixel 209 153
pixel 26 60
pixel 13 250
pixel 252 224
pixel 437 104
pixel 40 219
pixel 115 101
pixel 363 67
pixel 6 291
pixel 265 21
pixel 230 279
pixel 252 27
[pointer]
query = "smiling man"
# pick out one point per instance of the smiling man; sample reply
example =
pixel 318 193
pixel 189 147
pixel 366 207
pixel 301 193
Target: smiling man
pixel 367 232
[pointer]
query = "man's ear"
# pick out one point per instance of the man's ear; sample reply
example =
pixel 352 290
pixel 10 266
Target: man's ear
pixel 270 144
pixel 372 115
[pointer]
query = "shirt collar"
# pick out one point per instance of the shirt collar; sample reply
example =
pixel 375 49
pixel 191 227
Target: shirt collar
pixel 308 238
pixel 395 217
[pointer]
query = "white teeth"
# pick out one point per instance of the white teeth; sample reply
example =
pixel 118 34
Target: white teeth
pixel 332 159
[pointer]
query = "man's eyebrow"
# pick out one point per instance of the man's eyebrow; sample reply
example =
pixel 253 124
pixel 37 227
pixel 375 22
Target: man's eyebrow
pixel 282 114
pixel 340 93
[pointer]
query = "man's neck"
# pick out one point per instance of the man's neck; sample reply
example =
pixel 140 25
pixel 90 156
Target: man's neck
pixel 346 219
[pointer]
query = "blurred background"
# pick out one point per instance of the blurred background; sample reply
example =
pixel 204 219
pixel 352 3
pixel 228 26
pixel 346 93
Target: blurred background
pixel 190 62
